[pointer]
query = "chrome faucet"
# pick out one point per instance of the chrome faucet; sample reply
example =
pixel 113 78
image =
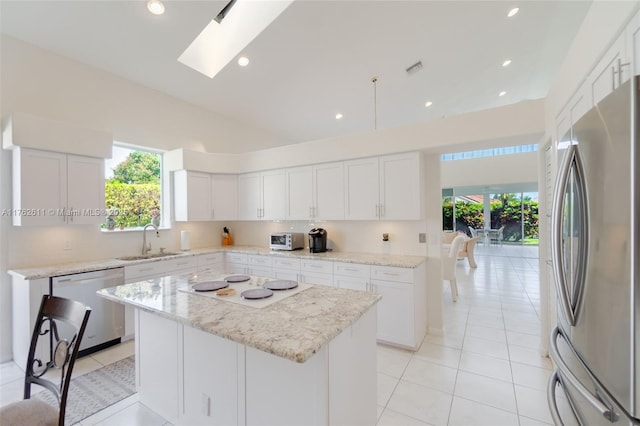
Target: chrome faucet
pixel 146 248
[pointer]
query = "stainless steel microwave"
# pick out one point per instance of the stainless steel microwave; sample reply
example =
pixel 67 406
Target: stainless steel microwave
pixel 287 241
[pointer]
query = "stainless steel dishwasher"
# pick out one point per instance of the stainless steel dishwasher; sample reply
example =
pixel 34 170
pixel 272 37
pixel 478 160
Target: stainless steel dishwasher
pixel 106 322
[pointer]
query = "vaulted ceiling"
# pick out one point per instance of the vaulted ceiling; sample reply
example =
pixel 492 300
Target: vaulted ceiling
pixel 317 59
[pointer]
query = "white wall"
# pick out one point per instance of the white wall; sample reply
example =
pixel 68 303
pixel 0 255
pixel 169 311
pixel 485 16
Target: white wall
pixel 501 169
pixel 47 85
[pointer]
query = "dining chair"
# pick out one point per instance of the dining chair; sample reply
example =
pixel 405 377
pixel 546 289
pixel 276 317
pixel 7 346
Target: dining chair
pixel 60 326
pixel 449 265
pixel 467 250
pixel 474 233
pixel 497 235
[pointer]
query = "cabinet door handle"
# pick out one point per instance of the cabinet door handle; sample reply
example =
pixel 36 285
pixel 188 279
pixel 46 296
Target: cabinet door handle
pixel 391 274
pixel 350 269
pixel 70 214
pixel 145 270
pixel 382 210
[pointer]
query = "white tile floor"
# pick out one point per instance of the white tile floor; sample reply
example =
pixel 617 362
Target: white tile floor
pixel 485 370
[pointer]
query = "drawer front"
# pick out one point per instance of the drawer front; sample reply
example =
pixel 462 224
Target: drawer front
pixel 236 258
pixel 353 283
pixel 317 266
pixel 292 264
pixel 235 268
pixel 355 270
pixel 262 261
pixel 188 263
pixel 159 268
pixel 389 273
pixel 133 272
pixel 286 274
pixel 260 272
pixel 317 279
pixel 206 260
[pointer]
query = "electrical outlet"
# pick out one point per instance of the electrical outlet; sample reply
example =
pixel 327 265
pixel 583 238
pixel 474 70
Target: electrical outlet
pixel 67 245
pixel 422 237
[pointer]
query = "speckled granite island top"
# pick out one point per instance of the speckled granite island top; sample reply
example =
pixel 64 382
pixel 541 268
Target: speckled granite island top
pixel 400 261
pixel 294 328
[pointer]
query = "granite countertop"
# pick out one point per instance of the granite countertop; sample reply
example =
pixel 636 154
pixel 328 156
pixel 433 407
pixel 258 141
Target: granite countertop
pixel 399 261
pixel 294 328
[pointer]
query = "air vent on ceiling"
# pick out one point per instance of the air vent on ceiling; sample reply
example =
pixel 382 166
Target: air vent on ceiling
pixel 414 68
pixel 220 16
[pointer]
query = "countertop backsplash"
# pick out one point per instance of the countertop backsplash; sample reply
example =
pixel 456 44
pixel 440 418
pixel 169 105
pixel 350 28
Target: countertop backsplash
pixel 56 245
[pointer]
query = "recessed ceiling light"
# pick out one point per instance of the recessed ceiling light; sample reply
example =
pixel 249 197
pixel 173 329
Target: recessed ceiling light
pixel 513 11
pixel 243 61
pixel 338 116
pixel 156 7
pixel 428 104
pixel 502 93
pixel 506 63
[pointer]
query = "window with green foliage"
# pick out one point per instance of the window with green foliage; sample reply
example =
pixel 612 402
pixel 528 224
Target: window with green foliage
pixel 133 188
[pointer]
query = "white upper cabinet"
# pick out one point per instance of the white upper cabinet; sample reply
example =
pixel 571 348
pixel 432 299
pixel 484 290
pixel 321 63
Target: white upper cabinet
pixel 273 195
pixel 315 192
pixel 400 187
pixel 613 69
pixel 224 197
pixel 192 196
pixel 249 194
pixel 385 188
pixel 328 191
pixel 204 197
pixel 51 188
pixel 361 186
pixel 300 202
pixel 85 189
pixel 261 196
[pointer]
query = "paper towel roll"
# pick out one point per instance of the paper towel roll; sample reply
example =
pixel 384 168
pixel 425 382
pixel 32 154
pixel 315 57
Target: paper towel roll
pixel 184 240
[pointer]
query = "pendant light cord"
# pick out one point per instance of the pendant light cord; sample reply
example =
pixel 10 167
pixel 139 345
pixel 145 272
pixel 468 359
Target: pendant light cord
pixel 374 80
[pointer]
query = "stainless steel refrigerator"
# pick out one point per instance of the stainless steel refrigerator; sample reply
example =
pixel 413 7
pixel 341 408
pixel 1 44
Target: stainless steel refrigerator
pixel 596 260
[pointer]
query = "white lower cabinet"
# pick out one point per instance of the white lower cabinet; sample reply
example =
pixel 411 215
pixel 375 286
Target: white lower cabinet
pixel 402 312
pixel 395 312
pixel 26 297
pixel 235 263
pixel 211 262
pixel 213 401
pixel 260 266
pixel 351 275
pixel 208 380
pixel 286 269
pixel 158 379
pixel 318 272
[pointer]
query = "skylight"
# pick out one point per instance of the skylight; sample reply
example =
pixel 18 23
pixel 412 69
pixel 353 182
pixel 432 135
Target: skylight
pixel 220 42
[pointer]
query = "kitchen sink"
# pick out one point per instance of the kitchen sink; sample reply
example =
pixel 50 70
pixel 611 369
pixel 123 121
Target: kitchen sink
pixel 147 256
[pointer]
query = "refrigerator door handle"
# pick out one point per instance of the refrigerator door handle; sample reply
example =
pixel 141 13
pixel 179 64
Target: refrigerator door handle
pixel 551 399
pixel 556 237
pixel 563 368
pixel 572 159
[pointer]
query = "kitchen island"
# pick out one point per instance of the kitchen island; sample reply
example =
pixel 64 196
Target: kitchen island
pixel 306 359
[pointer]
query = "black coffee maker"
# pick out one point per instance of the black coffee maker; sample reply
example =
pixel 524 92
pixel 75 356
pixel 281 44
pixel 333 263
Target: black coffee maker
pixel 317 240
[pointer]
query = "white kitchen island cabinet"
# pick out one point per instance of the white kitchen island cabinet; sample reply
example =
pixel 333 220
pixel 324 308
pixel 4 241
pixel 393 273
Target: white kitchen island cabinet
pixel 308 359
